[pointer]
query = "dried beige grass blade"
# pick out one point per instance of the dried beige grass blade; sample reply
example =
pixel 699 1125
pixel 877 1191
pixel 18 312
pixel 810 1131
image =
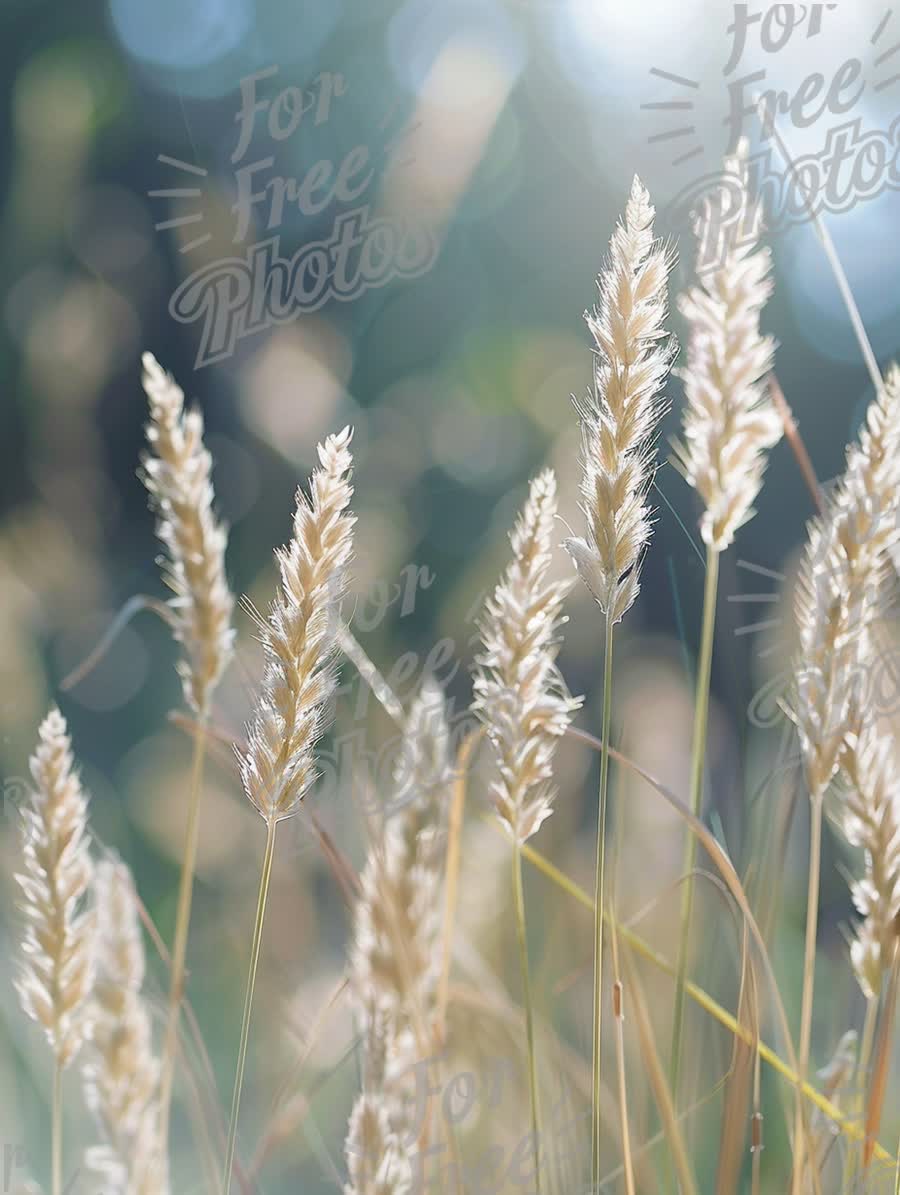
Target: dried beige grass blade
pixel 177 472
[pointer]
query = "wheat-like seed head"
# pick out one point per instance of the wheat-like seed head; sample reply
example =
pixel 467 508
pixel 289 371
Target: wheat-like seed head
pixel 393 959
pixel 620 416
pixel 300 639
pixel 872 821
pixel 729 422
pixel 840 588
pixel 176 472
pixel 121 1074
pixel 519 694
pixel 58 939
pixel 377 1162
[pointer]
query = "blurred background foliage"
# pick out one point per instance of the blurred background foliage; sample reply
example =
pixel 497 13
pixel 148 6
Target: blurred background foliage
pixel 512 128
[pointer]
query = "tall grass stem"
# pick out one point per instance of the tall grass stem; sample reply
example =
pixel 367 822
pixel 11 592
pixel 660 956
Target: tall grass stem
pixel 519 897
pixel 809 977
pixel 698 756
pixel 182 926
pixel 599 904
pixel 264 880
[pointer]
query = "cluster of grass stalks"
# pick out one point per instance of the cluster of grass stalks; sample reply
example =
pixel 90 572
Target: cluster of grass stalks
pixel 81 972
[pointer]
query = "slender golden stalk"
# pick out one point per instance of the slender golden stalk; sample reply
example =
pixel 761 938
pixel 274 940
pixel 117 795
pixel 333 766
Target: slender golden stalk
pixel 729 424
pixel 619 1015
pixel 698 755
pixel 264 880
pixel 599 895
pixel 623 1090
pixel 177 472
pixel 524 705
pixel 522 939
pixel 809 970
pixel 182 924
pixel 619 421
pixel 56 1130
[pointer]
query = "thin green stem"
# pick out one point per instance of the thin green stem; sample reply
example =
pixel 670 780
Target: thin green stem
pixel 698 756
pixel 599 906
pixel 56 1131
pixel 182 925
pixel 248 1004
pixel 519 896
pixel 809 976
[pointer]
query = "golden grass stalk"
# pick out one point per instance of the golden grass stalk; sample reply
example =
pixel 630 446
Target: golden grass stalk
pixel 177 473
pixel 525 707
pixel 729 425
pixel 618 998
pixel 837 603
pixel 56 970
pixel 300 639
pixel 619 421
pixel 120 1073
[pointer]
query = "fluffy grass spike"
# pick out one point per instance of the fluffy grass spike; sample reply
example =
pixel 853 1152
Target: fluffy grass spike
pixel 177 473
pixel 729 425
pixel 620 416
pixel 619 423
pixel 56 972
pixel 524 704
pixel 300 640
pixel 519 695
